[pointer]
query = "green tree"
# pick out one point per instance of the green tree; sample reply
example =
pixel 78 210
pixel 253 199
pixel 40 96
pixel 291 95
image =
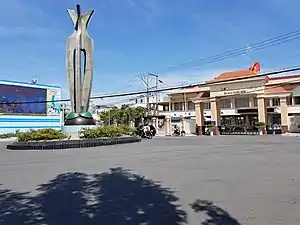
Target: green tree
pixel 2 111
pixel 123 115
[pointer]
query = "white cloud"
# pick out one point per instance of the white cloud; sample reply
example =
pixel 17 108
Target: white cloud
pixel 169 80
pixel 191 77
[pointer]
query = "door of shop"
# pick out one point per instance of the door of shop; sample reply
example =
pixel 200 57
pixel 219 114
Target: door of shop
pixel 239 125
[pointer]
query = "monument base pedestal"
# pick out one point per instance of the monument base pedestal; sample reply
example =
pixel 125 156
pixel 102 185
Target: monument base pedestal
pixel 78 119
pixel 74 129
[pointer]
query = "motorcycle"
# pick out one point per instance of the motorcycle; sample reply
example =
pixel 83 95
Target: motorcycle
pixel 145 134
pixel 148 134
pixel 177 132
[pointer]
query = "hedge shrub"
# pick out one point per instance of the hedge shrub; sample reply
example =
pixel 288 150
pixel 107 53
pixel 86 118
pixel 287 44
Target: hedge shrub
pixel 39 135
pixel 8 135
pixel 127 130
pixel 108 131
pixel 259 124
pixel 50 134
pixel 210 125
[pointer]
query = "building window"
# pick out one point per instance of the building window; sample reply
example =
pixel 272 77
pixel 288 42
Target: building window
pixel 178 106
pixel 191 106
pixel 225 104
pixel 141 100
pixel 297 100
pixel 207 105
pixel 254 102
pixel 241 102
pixel 289 101
pixel 275 101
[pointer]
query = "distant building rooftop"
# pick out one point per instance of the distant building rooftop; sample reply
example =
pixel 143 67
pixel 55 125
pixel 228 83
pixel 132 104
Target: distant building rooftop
pixel 235 74
pixel 27 84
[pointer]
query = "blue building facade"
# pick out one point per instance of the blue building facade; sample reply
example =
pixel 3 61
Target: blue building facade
pixel 25 106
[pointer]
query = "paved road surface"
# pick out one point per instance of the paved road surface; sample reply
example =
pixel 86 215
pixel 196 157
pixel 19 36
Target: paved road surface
pixel 231 180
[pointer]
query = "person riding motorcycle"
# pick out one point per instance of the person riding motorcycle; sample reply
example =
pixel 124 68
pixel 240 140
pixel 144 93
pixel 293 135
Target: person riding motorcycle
pixel 176 130
pixel 146 130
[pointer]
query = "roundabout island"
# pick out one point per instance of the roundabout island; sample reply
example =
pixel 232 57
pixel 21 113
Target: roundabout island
pixel 79 129
pixel 49 139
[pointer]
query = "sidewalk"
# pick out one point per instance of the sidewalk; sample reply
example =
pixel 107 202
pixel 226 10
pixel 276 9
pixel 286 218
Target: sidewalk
pixel 291 134
pixel 12 139
pixel 163 135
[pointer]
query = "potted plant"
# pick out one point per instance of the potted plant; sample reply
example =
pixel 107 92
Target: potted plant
pixel 261 126
pixel 211 129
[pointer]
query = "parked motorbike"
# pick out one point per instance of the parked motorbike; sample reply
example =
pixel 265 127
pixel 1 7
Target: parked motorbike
pixel 177 132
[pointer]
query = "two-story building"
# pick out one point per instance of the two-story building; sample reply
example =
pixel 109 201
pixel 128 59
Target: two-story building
pixel 237 101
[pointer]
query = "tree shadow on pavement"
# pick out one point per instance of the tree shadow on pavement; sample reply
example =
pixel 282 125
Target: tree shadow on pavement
pixel 116 197
pixel 215 214
pixel 15 208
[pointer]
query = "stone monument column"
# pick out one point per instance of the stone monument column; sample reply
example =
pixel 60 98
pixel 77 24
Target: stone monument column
pixel 80 79
pixel 168 126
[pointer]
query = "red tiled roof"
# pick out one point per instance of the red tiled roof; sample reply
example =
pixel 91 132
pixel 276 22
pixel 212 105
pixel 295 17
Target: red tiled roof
pixel 285 77
pixel 279 89
pixel 235 74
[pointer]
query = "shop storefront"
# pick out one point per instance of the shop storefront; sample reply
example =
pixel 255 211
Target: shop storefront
pixel 236 106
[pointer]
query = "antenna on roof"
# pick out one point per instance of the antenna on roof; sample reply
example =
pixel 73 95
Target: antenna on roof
pixel 34 81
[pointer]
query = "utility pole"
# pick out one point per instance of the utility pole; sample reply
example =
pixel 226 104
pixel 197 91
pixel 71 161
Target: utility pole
pixel 156 88
pixel 147 82
pixel 147 95
pixel 145 79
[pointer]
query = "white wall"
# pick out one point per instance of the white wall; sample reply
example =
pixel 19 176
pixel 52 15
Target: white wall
pixel 296 91
pixel 295 124
pixel 207 112
pixel 53 119
pixel 11 123
pixel 294 109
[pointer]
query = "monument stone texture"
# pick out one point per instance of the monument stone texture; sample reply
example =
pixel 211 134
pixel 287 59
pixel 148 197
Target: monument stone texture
pixel 80 54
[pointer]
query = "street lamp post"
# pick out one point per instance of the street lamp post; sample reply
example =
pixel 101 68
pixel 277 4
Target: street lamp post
pixel 109 116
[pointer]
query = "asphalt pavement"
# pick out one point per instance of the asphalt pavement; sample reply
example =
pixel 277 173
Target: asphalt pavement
pixel 225 180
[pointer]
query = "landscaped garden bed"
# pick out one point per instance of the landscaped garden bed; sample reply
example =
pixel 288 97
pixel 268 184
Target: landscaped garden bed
pixel 54 139
pixel 8 135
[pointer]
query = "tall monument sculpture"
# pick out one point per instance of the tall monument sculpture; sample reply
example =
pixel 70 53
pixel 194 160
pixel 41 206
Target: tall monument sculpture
pixel 80 54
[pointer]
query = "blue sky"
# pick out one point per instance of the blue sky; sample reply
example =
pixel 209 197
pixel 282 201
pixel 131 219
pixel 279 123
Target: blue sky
pixel 137 36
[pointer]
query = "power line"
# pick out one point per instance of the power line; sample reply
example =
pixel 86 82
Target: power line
pixel 146 80
pixel 291 69
pixel 273 41
pixel 243 52
pixel 277 40
pixel 286 70
pixel 198 84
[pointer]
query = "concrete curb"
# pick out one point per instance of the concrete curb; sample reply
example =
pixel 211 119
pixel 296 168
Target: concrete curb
pixel 67 144
pixel 291 134
pixel 8 139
